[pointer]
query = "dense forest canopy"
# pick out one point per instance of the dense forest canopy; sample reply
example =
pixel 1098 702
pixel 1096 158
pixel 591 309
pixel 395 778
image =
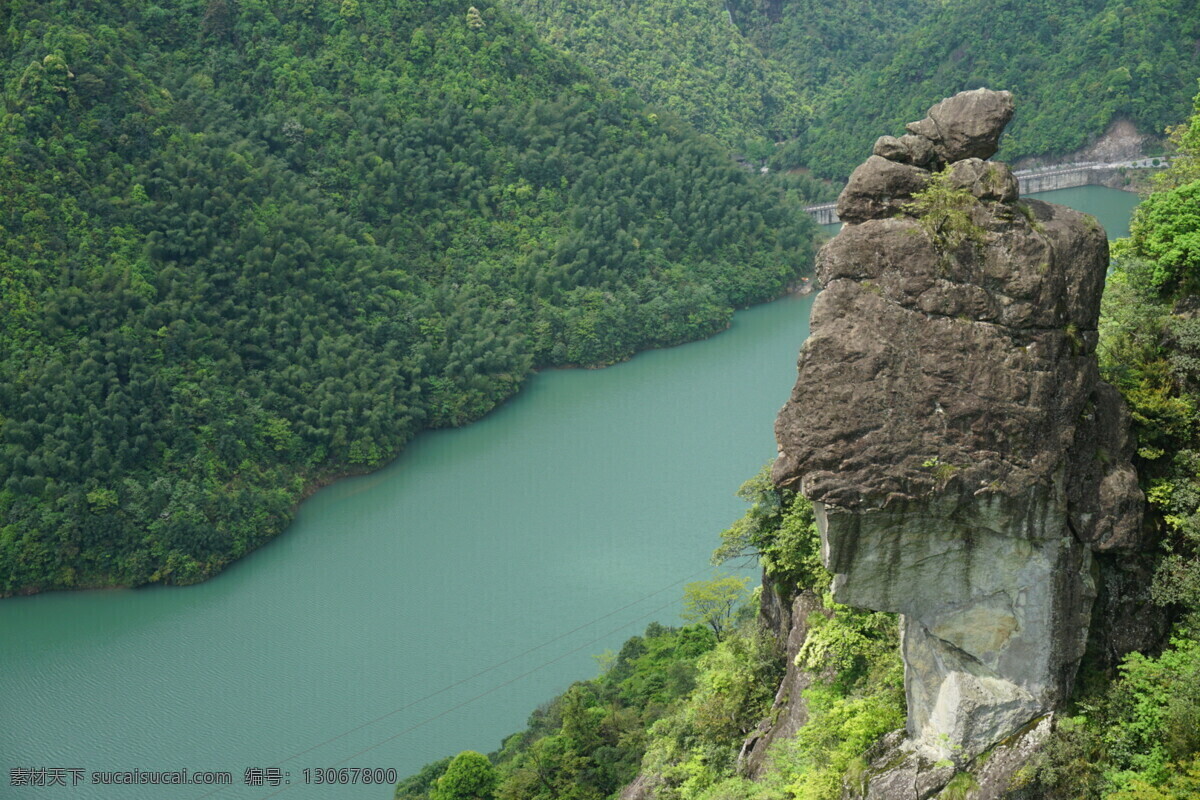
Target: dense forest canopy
pixel 686 56
pixel 802 83
pixel 1074 67
pixel 247 245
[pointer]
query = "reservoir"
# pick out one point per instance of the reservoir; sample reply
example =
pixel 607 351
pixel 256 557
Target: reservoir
pixel 429 607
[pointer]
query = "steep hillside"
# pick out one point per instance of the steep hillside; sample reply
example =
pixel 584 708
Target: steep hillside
pixel 685 56
pixel 1073 66
pixel 819 78
pixel 248 246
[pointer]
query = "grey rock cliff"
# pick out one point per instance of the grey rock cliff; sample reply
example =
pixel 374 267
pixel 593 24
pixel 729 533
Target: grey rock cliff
pixel 964 458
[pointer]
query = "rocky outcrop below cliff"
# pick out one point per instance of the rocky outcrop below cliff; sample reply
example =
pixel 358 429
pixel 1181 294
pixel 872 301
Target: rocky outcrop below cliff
pixel 965 460
pixel 788 618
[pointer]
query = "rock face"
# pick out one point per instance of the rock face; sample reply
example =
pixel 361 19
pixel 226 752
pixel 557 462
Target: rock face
pixel 879 188
pixel 949 423
pixel 788 619
pixel 967 125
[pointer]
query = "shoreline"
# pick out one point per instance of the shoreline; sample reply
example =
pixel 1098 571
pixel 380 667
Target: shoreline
pixel 800 286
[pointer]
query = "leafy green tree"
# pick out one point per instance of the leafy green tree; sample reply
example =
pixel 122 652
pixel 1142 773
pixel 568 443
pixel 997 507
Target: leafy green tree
pixel 1166 231
pixel 779 530
pixel 713 602
pixel 470 776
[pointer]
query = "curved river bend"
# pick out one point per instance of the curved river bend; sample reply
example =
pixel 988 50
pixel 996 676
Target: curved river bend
pixel 580 498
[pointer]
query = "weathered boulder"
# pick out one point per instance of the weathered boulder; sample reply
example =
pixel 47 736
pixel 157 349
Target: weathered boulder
pixel 891 148
pixel 908 149
pixel 920 150
pixel 985 180
pixel 967 125
pixel 879 188
pixel 949 423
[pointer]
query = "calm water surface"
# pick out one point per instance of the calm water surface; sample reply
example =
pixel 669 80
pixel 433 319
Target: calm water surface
pixel 1111 207
pixel 589 498
pixel 584 494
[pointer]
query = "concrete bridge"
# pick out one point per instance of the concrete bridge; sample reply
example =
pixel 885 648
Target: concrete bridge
pixel 1062 176
pixel 824 214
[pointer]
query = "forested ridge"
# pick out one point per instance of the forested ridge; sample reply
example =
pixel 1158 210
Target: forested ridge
pixel 249 245
pixel 686 56
pixel 807 84
pixel 1073 67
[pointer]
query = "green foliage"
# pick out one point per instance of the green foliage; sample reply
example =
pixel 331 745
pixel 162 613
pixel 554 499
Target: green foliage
pixel 1075 66
pixel 1135 356
pixel 848 645
pixel 695 749
pixel 778 529
pixel 1157 704
pixel 682 56
pixel 712 602
pixel 470 776
pixel 944 213
pixel 420 785
pixel 1182 784
pixel 941 470
pixel 1139 739
pixel 1184 140
pixel 589 741
pixel 248 247
pixel 1150 355
pixel 1166 231
pixel 858 697
pixel 959 787
pixel 1150 350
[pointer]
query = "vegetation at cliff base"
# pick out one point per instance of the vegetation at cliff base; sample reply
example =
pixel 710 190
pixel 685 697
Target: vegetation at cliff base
pixel 589 741
pixel 1137 737
pixel 677 705
pixel 249 246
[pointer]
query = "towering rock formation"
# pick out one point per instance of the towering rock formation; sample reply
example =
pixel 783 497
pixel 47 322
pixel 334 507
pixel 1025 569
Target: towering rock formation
pixel 964 458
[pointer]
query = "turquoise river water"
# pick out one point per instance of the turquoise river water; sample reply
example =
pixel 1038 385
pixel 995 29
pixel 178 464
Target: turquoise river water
pixel 429 607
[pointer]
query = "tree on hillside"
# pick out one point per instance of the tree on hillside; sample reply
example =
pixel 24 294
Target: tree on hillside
pixel 712 603
pixel 470 776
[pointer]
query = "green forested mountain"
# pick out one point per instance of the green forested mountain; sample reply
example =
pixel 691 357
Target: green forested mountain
pixel 247 245
pixel 1074 67
pixel 685 56
pixel 821 78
